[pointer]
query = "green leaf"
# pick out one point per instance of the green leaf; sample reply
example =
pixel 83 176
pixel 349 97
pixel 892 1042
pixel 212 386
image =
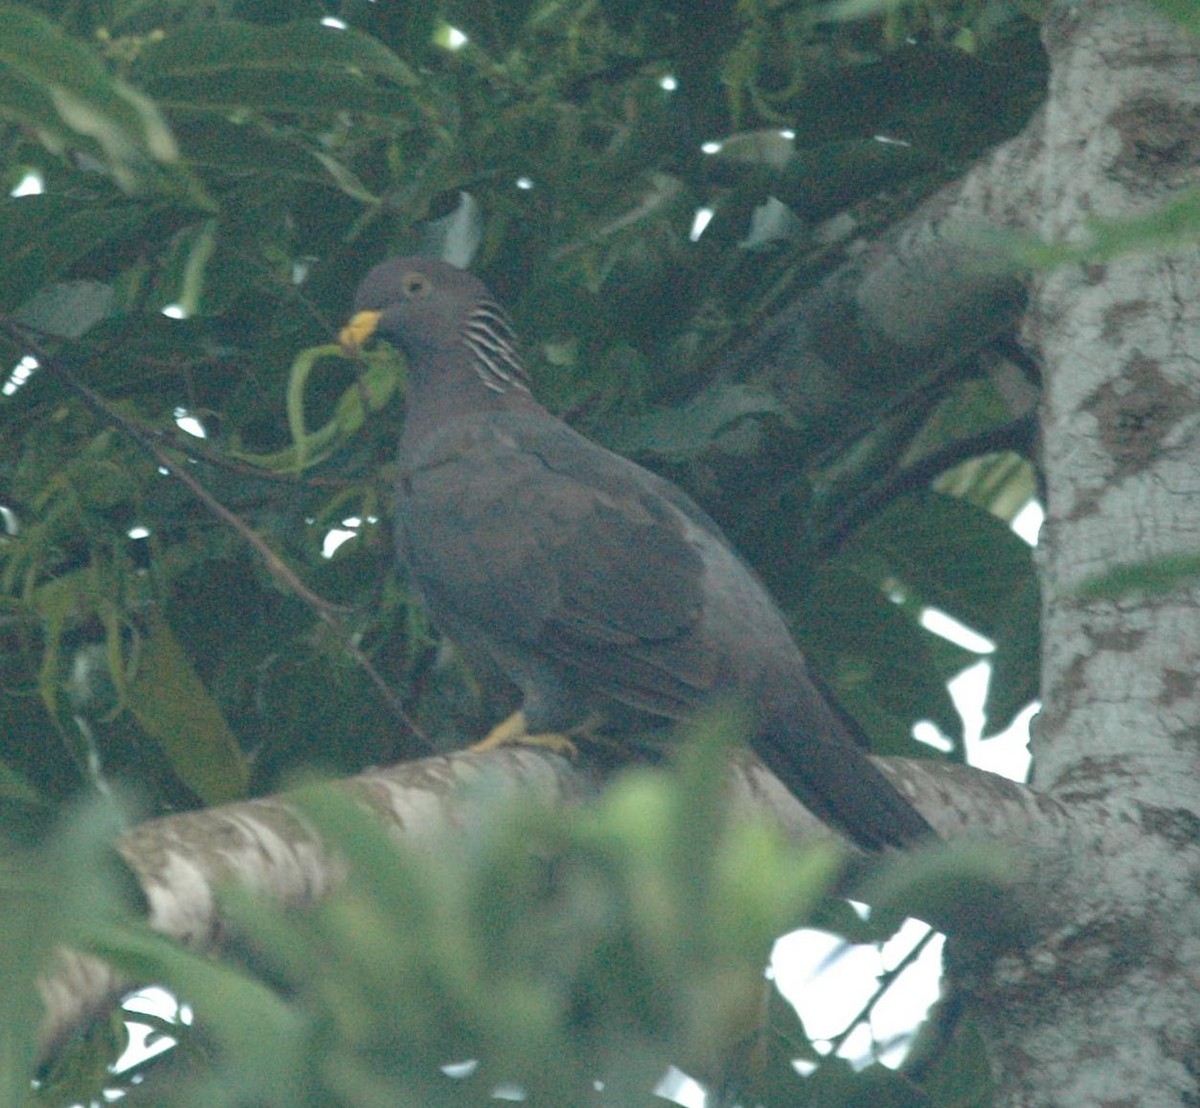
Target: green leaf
pixel 880 663
pixel 223 65
pixel 376 385
pixel 919 538
pixel 1151 579
pixel 961 559
pixel 1003 483
pixel 962 1075
pixel 169 700
pixel 45 235
pixel 67 309
pixel 56 603
pixel 832 175
pixel 847 10
pixel 1184 12
pixel 60 88
pixel 15 786
pixel 1017 662
pixel 261 1037
pixel 49 897
pixel 1174 225
pixel 952 555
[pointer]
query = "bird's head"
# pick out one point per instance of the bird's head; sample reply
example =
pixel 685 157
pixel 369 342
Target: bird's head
pixel 430 309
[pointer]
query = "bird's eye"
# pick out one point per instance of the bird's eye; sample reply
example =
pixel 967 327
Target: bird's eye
pixel 415 285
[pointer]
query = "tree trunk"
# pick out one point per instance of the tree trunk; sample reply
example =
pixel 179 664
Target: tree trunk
pixel 1103 1006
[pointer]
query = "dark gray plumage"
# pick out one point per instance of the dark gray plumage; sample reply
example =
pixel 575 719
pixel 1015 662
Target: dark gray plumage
pixel 599 588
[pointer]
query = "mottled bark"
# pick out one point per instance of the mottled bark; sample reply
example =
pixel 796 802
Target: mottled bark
pixel 1101 1007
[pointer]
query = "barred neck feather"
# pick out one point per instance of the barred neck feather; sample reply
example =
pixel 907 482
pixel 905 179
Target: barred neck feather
pixel 491 340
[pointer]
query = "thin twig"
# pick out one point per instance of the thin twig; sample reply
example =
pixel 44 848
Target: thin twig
pixel 148 439
pixel 885 982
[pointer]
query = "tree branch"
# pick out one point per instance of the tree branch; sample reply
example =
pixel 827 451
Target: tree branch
pixel 182 861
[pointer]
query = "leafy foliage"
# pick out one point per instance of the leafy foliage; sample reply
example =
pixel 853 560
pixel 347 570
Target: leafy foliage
pixel 572 956
pixel 172 620
pixel 247 165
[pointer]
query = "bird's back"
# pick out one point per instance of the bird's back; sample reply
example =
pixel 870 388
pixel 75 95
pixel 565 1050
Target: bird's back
pixel 592 560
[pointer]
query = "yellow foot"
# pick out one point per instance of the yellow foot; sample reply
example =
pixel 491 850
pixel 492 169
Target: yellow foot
pixel 513 732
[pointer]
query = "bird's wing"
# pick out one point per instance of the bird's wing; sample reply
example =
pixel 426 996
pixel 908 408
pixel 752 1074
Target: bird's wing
pixel 551 548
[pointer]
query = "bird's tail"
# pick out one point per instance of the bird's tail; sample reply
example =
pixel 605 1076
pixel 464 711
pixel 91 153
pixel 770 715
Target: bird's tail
pixel 836 780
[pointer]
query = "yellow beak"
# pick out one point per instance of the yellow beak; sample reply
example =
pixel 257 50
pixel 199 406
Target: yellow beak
pixel 358 330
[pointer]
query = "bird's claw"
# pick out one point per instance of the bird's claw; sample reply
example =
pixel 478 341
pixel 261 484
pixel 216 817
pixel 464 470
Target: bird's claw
pixel 514 732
